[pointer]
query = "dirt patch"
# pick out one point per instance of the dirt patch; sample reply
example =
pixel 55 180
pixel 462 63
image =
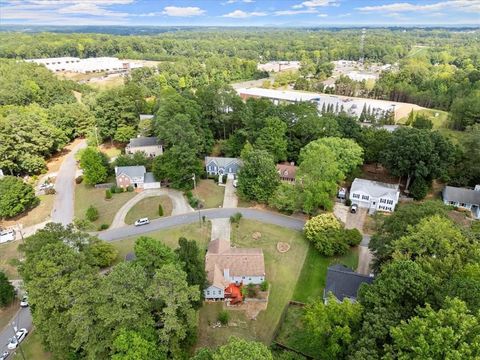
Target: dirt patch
pixel 283 247
pixel 377 173
pixel 251 308
pixel 256 235
pixel 53 164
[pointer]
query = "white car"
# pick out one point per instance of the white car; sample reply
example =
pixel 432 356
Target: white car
pixel 46 186
pixel 20 335
pixel 142 221
pixel 4 355
pixel 7 235
pixel 24 302
pixel 235 183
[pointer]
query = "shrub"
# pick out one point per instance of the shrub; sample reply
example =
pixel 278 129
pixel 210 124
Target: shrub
pixel 223 317
pixel 235 218
pixel 82 224
pixel 7 291
pixel 160 210
pixel 244 291
pixel 194 202
pixel 129 188
pixel 264 285
pixel 419 188
pixel 50 191
pixel 188 194
pixel 353 237
pixel 118 190
pixel 108 194
pixel 92 213
pixel 113 188
pixel 348 202
pixel 79 179
pixel 103 227
pixel 15 196
pixel 252 290
pixel 319 224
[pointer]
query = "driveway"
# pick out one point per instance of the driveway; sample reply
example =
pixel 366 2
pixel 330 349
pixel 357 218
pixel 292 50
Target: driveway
pixel 63 206
pixel 180 204
pixel 356 221
pixel 221 229
pixel 230 199
pixel 177 220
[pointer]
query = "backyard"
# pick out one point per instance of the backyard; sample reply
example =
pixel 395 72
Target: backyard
pixel 9 254
pixel 86 195
pixel 149 207
pixel 209 193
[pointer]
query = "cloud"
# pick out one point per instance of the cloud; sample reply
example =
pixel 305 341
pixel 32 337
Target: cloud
pixel 316 3
pixel 295 12
pixel 239 1
pixel 458 5
pixel 183 11
pixel 322 15
pixel 240 14
pixel 89 9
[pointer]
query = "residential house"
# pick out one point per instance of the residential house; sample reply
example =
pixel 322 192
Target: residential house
pixel 135 176
pixel 151 146
pixel 462 198
pixel 344 283
pixel 226 266
pixel 374 195
pixel 146 117
pixel 222 166
pixel 287 171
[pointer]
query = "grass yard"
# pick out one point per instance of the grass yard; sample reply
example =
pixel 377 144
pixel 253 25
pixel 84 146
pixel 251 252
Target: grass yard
pixel 9 253
pixel 38 214
pixel 168 237
pixel 314 272
pixel 282 272
pixel 111 150
pixel 210 193
pixel 32 348
pixel 148 207
pixel 87 195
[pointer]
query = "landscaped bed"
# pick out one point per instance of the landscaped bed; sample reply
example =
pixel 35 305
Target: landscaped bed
pixel 86 196
pixel 149 207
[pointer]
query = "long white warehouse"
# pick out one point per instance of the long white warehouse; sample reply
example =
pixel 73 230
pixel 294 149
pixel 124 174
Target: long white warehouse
pixel 85 66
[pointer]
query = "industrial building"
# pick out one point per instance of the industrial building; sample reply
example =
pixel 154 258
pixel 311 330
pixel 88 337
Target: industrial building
pixel 87 66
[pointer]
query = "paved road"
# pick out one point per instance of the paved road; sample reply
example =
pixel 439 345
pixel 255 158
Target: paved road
pixel 23 319
pixel 180 204
pixel 62 211
pixel 172 221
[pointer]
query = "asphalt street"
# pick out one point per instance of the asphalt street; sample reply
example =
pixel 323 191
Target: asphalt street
pixel 23 319
pixel 172 221
pixel 62 211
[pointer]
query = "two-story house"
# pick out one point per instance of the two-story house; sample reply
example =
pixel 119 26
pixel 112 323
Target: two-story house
pixel 222 166
pixel 135 176
pixel 151 146
pixel 467 199
pixel 374 195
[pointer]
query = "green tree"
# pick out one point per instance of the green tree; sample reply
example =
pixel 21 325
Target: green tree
pixel 7 291
pixel 152 254
pixel 332 328
pixel 190 257
pixel 348 153
pixel 422 122
pixel 94 166
pixel 286 198
pixel 465 111
pixel 452 332
pixel 92 213
pixel 73 119
pixel 15 196
pixel 124 133
pixel 237 348
pixel 272 138
pixel 132 345
pixel 374 142
pixel 258 177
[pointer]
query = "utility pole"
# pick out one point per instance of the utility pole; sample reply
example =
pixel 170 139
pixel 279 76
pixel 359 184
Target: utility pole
pixel 21 232
pixel 198 204
pixel 14 328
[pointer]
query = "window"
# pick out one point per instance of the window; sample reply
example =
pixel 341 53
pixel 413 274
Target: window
pixel 463 204
pixel 388 208
pixel 209 168
pixel 229 170
pixel 208 292
pixel 356 196
pixel 390 202
pixel 383 201
pixel 365 197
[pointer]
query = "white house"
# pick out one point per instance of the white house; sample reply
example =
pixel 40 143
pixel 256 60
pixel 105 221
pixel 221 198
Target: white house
pixel 135 176
pixel 374 195
pixel 226 265
pixel 151 146
pixel 466 199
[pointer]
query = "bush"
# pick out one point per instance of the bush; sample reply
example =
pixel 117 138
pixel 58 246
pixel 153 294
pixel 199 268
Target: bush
pixel 353 237
pixel 108 194
pixel 15 196
pixel 113 188
pixel 189 194
pixel 419 188
pixel 223 317
pixel 7 291
pixel 50 191
pixel 82 224
pixel 348 202
pixel 160 210
pixel 92 213
pixel 103 227
pixel 79 179
pixel 264 285
pixel 118 190
pixel 252 290
pixel 235 218
pixel 319 224
pixel 129 188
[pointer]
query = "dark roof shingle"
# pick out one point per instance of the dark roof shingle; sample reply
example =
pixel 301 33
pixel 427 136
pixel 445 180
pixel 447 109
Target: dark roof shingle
pixel 344 282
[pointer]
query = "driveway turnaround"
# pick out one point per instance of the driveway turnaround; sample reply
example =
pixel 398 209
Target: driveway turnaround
pixel 63 206
pixel 180 205
pixel 172 221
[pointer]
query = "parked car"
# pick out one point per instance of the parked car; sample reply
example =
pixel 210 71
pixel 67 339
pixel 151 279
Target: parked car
pixel 142 221
pixel 4 355
pixel 46 186
pixel 7 235
pixel 354 208
pixel 24 302
pixel 20 335
pixel 235 183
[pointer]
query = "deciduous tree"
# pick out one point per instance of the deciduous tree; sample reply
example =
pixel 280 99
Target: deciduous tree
pixel 16 196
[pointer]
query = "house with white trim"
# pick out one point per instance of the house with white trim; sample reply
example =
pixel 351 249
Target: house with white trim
pixel 466 199
pixel 135 176
pixel 374 195
pixel 222 166
pixel 150 146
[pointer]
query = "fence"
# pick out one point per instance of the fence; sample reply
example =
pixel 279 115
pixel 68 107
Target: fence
pixel 104 186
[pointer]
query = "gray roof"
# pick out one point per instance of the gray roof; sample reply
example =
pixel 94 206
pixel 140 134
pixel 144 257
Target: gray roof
pixel 146 117
pixel 222 161
pixel 461 195
pixel 143 141
pixel 130 171
pixel 149 178
pixel 374 188
pixel 344 282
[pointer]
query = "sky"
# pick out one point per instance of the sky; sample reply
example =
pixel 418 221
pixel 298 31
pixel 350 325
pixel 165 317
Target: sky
pixel 240 12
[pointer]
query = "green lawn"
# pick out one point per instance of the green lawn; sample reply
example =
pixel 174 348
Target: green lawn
pixel 8 254
pixel 148 207
pixel 87 195
pixel 282 271
pixel 210 193
pixel 314 272
pixel 32 348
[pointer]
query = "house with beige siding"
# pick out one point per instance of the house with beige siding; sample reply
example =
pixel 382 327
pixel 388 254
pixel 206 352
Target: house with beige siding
pixel 150 146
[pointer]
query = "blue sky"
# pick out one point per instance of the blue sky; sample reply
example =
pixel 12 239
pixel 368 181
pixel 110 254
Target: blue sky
pixel 240 12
